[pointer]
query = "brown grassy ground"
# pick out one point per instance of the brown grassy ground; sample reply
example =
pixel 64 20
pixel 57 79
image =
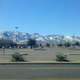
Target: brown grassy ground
pixel 56 79
pixel 46 54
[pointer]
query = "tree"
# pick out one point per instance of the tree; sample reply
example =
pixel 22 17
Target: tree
pixel 31 43
pixel 67 44
pixel 47 45
pixel 60 45
pixel 6 43
pixel 77 43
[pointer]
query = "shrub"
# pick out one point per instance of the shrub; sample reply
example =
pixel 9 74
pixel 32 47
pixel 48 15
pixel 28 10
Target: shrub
pixel 61 57
pixel 16 57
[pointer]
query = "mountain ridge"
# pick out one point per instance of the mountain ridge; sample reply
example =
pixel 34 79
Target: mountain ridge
pixel 22 37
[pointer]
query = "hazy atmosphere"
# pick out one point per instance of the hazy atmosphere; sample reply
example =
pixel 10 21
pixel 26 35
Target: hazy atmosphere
pixel 41 16
pixel 39 39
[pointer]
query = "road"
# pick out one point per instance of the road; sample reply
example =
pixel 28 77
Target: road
pixel 31 71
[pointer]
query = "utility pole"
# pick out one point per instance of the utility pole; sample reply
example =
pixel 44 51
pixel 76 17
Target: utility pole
pixel 3 50
pixel 16 28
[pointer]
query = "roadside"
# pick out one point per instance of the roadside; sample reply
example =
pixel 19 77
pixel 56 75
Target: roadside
pixel 56 79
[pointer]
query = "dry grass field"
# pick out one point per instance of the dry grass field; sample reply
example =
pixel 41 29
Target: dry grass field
pixel 56 79
pixel 45 54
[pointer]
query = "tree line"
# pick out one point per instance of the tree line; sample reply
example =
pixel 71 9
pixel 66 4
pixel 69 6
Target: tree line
pixel 32 43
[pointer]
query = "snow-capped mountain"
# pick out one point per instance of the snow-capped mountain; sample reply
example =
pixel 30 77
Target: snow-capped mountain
pixel 21 37
pixel 15 36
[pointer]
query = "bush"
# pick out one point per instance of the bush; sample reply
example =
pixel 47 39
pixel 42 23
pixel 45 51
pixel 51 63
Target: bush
pixel 61 57
pixel 16 57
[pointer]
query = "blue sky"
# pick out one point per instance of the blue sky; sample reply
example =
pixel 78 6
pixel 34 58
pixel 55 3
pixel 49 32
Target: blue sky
pixel 41 16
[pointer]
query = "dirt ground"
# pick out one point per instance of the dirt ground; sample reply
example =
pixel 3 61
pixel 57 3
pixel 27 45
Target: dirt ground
pixel 56 79
pixel 45 54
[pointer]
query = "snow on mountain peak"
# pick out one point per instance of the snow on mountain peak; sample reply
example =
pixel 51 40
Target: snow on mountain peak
pixel 23 37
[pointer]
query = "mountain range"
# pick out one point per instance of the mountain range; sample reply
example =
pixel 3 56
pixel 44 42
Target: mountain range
pixel 21 37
